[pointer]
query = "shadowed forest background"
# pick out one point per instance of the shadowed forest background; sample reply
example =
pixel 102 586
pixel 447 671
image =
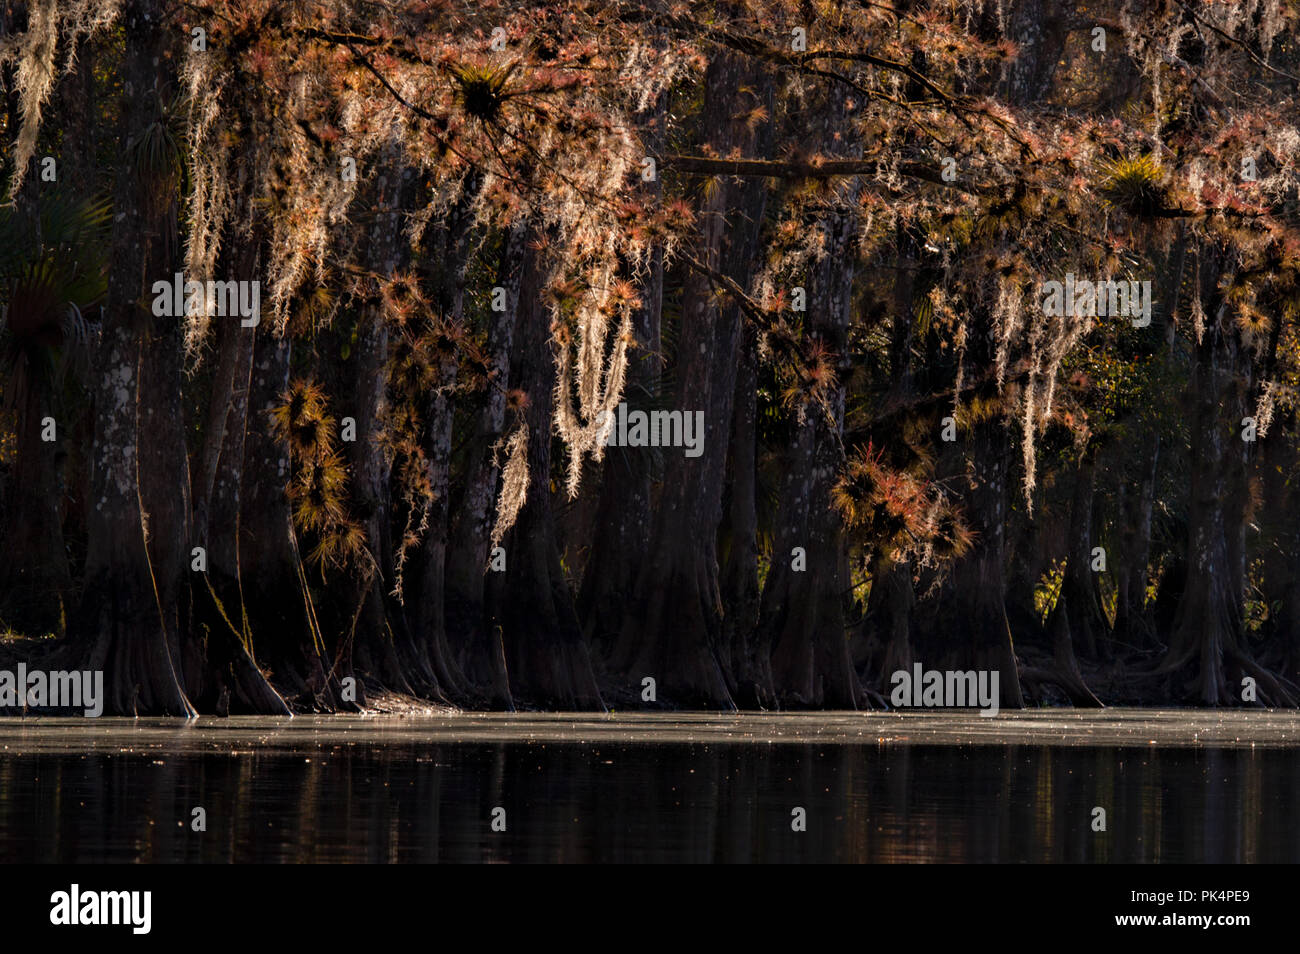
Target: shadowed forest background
pixel 479 228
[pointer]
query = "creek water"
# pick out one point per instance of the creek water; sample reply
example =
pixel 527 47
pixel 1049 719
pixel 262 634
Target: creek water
pixel 1176 786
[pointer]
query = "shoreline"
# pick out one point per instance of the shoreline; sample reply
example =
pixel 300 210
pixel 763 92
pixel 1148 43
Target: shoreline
pixel 1127 728
pixel 1115 689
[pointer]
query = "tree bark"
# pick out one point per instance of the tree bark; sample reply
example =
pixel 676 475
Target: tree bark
pixel 1078 616
pixel 34 589
pixel 802 617
pixel 306 663
pixel 1206 642
pixel 889 616
pixel 747 661
pixel 428 618
pixel 480 653
pixel 547 659
pixel 122 623
pixel 1087 625
pixel 885 636
pixel 673 627
pixel 226 677
pixel 1133 624
pixel 1288 624
pixel 383 646
pixel 622 521
pixel 965 622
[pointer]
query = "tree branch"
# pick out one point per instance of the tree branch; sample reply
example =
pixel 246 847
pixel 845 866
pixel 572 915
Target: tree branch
pixel 815 169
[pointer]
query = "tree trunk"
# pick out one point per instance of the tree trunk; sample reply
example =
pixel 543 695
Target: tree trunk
pixel 480 657
pixel 748 664
pixel 1209 615
pixel 77 167
pixel 278 606
pixel 1206 642
pixel 547 659
pixel 218 608
pixel 33 590
pixel 1134 620
pixel 383 646
pixel 802 617
pixel 428 618
pixel 622 522
pixel 1288 624
pixel 121 622
pixel 1088 624
pixel 673 626
pixel 229 679
pixel 1078 617
pixel 889 616
pixel 164 474
pixel 885 636
pixel 1040 29
pixel 1133 624
pixel 966 620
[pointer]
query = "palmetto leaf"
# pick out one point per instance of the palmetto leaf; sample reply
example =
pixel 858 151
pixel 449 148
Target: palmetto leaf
pixel 52 269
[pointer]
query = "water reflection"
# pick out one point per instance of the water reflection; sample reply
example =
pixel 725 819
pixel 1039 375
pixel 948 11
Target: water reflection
pixel 322 794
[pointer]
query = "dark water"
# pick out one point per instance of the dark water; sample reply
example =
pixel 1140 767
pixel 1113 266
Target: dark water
pixel 1176 786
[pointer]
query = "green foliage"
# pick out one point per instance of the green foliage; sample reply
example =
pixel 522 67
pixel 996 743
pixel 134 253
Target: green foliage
pixel 53 269
pixel 1136 186
pixel 483 90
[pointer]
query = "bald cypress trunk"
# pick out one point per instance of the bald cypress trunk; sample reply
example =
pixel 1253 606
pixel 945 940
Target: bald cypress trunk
pixel 1209 615
pixel 77 108
pixel 803 618
pixel 1288 625
pixel 622 521
pixel 622 524
pixel 673 628
pixel 889 615
pixel 546 657
pixel 218 610
pixel 963 623
pixel 885 636
pixel 383 644
pixel 33 590
pixel 375 647
pixel 478 644
pixel 1078 618
pixel 221 673
pixel 122 623
pixel 1206 658
pixel 308 664
pixel 1088 624
pixel 427 617
pixel 428 613
pixel 164 472
pixel 748 665
pixel 1132 619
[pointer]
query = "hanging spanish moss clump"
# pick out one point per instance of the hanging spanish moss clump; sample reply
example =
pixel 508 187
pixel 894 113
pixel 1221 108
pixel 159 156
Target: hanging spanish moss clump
pixel 597 377
pixel 32 53
pixel 210 160
pixel 514 482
